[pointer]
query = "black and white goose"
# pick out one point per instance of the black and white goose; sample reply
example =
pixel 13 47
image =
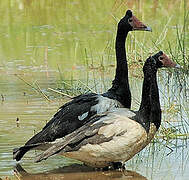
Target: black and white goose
pixel 77 112
pixel 116 136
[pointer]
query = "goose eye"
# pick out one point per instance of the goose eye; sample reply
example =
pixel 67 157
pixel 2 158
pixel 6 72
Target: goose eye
pixel 130 20
pixel 161 58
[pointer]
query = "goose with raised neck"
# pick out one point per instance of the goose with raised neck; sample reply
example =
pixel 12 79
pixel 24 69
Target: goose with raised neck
pixel 78 112
pixel 115 137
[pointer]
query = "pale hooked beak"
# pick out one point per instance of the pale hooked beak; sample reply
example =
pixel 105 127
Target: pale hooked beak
pixel 148 29
pixel 178 66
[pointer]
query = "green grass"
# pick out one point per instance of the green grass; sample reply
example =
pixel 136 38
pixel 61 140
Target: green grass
pixel 77 40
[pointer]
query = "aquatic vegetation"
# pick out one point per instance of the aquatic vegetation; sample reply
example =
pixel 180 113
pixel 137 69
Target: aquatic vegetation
pixel 69 47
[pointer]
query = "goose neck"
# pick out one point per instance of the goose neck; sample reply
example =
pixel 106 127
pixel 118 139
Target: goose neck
pixel 149 110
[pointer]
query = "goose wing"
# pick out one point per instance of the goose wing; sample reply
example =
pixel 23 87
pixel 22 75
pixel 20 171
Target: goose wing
pixel 71 116
pixel 100 128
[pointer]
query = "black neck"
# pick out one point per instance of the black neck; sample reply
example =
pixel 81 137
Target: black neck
pixel 149 111
pixel 120 85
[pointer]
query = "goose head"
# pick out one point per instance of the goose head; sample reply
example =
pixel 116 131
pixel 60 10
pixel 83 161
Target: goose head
pixel 162 60
pixel 130 23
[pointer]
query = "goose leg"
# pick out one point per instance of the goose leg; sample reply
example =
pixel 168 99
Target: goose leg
pixel 118 165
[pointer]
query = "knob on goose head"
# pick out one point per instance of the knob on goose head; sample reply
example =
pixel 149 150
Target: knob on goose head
pixel 131 23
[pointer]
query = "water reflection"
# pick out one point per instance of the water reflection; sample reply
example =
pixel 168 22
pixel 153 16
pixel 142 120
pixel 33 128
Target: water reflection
pixel 47 41
pixel 78 172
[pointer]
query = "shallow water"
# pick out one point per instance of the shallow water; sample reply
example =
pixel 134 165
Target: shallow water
pixel 163 159
pixel 44 43
pixel 75 171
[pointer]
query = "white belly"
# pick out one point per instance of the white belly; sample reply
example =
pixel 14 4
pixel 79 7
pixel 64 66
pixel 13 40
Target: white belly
pixel 129 138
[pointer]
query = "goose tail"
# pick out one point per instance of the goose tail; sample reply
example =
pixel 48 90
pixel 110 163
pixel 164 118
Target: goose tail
pixel 18 153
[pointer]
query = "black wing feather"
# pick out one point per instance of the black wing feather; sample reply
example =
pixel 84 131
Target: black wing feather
pixel 66 119
pixel 75 138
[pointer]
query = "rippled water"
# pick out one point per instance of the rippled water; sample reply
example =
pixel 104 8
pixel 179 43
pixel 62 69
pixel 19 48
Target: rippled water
pixel 161 160
pixel 45 43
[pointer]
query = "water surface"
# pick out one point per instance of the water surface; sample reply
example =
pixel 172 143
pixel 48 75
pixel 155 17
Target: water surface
pixel 45 43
